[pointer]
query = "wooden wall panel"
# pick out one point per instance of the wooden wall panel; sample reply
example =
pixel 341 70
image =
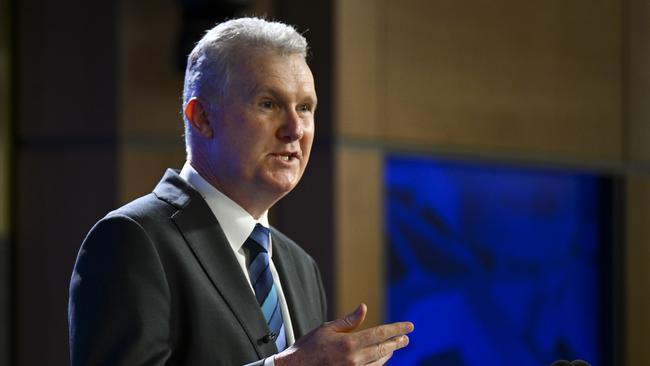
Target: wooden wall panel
pixel 358 78
pixel 359 265
pixel 637 276
pixel 522 76
pixel 142 165
pixel 151 86
pixel 539 78
pixel 638 79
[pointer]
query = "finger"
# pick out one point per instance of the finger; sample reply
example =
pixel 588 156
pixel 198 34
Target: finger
pixel 382 332
pixel 350 321
pixel 376 352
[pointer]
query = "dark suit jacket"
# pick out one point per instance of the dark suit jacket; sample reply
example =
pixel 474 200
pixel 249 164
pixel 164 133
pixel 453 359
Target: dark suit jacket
pixel 156 283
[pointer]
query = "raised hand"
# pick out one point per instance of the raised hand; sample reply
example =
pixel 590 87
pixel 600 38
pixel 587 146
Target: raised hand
pixel 339 343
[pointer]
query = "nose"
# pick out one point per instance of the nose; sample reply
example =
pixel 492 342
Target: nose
pixel 291 128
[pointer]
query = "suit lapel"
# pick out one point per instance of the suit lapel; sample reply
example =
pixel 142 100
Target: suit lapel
pixel 292 284
pixel 207 241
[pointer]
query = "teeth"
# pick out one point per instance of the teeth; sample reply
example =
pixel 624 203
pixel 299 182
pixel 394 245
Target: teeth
pixel 284 157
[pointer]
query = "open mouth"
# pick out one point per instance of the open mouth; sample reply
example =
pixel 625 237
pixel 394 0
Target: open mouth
pixel 287 156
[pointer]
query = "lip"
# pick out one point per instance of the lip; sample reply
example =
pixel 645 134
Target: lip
pixel 293 156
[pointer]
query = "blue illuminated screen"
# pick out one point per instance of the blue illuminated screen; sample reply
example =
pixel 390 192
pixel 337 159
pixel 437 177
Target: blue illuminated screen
pixel 497 265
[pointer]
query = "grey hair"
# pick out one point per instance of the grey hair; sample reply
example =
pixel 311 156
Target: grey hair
pixel 209 65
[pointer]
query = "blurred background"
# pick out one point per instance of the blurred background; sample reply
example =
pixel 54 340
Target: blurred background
pixel 480 167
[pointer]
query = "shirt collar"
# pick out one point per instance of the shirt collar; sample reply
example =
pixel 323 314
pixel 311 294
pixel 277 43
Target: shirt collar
pixel 236 223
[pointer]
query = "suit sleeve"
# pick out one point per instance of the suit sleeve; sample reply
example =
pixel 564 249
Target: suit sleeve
pixel 119 305
pixel 321 291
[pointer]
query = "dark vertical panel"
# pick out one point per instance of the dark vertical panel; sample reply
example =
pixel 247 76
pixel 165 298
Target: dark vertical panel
pixel 5 169
pixel 65 158
pixel 307 214
pixel 5 299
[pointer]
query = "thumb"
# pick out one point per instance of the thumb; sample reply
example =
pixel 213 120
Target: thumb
pixel 351 321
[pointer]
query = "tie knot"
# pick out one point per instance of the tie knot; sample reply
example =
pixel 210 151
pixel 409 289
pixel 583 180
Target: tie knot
pixel 258 240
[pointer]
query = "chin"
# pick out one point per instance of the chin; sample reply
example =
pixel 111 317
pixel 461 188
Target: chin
pixel 281 188
pixel 284 188
pixel 278 183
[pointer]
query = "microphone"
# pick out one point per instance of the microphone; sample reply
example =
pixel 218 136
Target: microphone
pixel 272 336
pixel 567 363
pixel 561 363
pixel 579 363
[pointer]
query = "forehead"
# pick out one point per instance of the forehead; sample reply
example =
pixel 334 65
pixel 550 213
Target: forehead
pixel 257 68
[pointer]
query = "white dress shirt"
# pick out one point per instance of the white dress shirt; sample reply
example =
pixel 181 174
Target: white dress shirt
pixel 237 224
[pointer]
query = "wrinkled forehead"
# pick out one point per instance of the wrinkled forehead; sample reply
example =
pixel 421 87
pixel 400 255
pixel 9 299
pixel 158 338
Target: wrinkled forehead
pixel 260 67
pixel 260 57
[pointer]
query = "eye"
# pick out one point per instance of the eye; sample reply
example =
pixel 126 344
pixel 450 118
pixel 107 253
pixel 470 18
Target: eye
pixel 304 108
pixel 267 104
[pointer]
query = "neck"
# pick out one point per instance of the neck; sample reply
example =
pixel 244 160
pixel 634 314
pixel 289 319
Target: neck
pixel 255 204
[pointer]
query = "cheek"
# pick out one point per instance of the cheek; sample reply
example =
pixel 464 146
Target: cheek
pixel 306 142
pixel 240 144
pixel 230 155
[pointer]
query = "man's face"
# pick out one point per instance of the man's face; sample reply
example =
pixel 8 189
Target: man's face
pixel 264 128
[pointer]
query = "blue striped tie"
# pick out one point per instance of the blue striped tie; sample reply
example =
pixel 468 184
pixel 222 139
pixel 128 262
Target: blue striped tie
pixel 266 292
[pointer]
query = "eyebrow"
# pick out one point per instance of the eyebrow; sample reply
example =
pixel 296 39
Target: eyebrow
pixel 256 90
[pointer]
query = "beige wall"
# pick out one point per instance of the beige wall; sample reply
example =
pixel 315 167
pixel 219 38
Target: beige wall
pixel 636 262
pixel 150 90
pixel 553 82
pixel 495 75
pixel 637 146
pixel 359 264
pixel 637 79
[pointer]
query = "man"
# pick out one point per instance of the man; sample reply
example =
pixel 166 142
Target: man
pixel 192 274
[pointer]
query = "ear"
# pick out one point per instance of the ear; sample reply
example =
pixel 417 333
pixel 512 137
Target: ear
pixel 197 117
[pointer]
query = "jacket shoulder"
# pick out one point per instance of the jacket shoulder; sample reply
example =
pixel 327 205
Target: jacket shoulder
pixel 144 208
